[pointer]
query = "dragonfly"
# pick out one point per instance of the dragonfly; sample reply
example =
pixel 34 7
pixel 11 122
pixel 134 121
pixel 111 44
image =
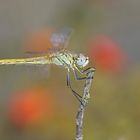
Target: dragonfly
pixel 60 56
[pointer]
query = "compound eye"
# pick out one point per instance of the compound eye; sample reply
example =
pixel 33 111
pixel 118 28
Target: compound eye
pixel 80 61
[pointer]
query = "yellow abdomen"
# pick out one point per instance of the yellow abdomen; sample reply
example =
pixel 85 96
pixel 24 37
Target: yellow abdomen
pixel 33 60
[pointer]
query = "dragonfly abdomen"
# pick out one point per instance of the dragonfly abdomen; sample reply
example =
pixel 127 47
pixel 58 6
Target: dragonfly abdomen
pixel 35 60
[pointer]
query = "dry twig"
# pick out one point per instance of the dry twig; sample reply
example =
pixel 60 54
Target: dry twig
pixel 81 110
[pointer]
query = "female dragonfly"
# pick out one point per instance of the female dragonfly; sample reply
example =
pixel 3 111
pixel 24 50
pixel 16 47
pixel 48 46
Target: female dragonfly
pixel 60 56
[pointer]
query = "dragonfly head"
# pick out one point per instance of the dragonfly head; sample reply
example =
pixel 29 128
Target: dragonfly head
pixel 81 60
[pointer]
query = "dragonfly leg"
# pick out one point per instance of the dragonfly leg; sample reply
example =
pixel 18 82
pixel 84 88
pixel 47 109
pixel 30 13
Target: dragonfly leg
pixel 68 79
pixel 79 97
pixel 77 77
pixel 86 71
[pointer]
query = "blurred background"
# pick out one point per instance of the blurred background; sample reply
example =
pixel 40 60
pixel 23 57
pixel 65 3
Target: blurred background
pixel 35 103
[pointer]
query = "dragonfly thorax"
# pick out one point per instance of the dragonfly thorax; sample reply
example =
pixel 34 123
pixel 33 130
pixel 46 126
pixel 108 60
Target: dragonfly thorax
pixel 81 60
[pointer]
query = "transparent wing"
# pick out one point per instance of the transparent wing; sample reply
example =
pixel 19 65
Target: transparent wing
pixel 37 72
pixel 60 39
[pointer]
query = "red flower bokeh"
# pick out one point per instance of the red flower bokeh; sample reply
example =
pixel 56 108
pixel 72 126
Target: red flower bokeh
pixel 106 54
pixel 30 107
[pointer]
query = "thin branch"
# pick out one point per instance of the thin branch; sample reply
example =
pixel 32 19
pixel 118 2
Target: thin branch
pixel 81 110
